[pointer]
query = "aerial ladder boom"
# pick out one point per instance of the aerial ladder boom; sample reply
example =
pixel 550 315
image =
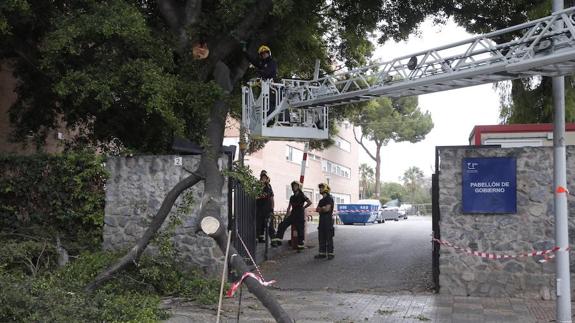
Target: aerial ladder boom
pixel 299 108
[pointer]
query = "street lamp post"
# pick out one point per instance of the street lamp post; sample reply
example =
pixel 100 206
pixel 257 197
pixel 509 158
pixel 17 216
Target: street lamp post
pixel 563 302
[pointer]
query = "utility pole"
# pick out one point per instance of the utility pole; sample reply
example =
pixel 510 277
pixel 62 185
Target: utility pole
pixel 562 271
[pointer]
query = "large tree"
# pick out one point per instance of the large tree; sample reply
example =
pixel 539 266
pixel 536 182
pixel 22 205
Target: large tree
pixel 383 120
pixel 121 74
pixel 523 100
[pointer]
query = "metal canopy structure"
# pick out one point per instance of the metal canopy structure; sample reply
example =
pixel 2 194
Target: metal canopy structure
pixel 298 109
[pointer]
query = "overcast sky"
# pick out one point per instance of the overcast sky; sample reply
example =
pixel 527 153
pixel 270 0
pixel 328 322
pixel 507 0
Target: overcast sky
pixel 454 112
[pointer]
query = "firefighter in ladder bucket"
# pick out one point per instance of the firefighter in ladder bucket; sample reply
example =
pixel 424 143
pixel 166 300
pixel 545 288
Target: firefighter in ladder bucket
pixel 325 228
pixel 264 209
pixel 295 215
pixel 266 69
pixel 266 66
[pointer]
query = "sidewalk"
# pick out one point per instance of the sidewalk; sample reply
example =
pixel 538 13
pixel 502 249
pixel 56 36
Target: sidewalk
pixel 326 306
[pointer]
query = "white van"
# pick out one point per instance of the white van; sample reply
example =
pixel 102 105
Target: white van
pixel 391 211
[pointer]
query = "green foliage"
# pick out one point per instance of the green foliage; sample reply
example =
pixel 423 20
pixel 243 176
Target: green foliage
pixel 366 180
pixel 415 190
pixel 59 297
pixel 481 17
pixel 50 196
pixel 10 7
pixel 133 296
pixel 530 101
pixel 416 186
pixel 526 100
pixel 27 256
pixel 385 119
pixel 244 175
pixel 117 71
pixel 105 72
pixel 392 191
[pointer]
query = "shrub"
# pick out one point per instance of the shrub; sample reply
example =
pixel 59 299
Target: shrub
pixel 47 196
pixel 43 198
pixel 133 296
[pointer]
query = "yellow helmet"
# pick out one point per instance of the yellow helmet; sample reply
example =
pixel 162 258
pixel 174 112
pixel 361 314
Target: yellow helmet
pixel 264 48
pixel 323 188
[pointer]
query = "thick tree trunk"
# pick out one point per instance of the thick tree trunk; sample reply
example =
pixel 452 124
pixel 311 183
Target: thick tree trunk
pixel 211 202
pixel 267 299
pixel 208 168
pixel 213 192
pixel 377 170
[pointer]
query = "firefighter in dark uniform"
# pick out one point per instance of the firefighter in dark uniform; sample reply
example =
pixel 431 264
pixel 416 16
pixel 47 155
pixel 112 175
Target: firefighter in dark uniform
pixel 295 215
pixel 266 69
pixel 266 66
pixel 264 208
pixel 325 229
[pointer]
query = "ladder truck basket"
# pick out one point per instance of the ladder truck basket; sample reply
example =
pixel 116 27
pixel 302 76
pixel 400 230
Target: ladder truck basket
pixel 266 113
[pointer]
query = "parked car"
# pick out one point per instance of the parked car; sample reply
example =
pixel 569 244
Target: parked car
pixel 391 211
pixel 404 210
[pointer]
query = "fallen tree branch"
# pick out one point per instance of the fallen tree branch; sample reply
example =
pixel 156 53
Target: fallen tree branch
pixel 134 254
pixel 213 226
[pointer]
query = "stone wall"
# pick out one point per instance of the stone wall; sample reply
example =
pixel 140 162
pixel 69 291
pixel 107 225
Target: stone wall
pixel 532 228
pixel 134 193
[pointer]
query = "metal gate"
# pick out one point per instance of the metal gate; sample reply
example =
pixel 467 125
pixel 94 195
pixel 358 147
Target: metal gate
pixel 244 222
pixel 435 216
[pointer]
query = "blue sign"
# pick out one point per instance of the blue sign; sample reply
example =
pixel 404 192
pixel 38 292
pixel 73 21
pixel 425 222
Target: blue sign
pixel 489 185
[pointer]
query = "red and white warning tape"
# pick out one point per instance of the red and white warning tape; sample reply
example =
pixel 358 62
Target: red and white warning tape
pixel 487 255
pixel 335 212
pixel 258 276
pixel 353 211
pixel 237 284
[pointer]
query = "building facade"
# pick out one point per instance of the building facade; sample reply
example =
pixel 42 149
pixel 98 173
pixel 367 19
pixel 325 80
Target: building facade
pixel 519 135
pixel 338 166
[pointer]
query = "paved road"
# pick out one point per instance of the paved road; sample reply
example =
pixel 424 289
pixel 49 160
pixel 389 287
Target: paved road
pixel 388 257
pixel 321 306
pixel 397 261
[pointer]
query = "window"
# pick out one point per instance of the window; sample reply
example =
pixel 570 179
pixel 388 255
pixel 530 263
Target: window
pixel 294 155
pixel 342 144
pixel 336 169
pixel 326 166
pixel 289 153
pixel 341 198
pixel 313 157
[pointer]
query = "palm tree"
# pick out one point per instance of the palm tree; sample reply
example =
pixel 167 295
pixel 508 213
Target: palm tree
pixel 412 179
pixel 366 174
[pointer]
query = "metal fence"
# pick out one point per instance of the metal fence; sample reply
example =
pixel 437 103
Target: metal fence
pixel 244 221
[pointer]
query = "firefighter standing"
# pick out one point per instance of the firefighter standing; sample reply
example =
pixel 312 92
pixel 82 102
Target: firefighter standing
pixel 298 202
pixel 325 229
pixel 264 208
